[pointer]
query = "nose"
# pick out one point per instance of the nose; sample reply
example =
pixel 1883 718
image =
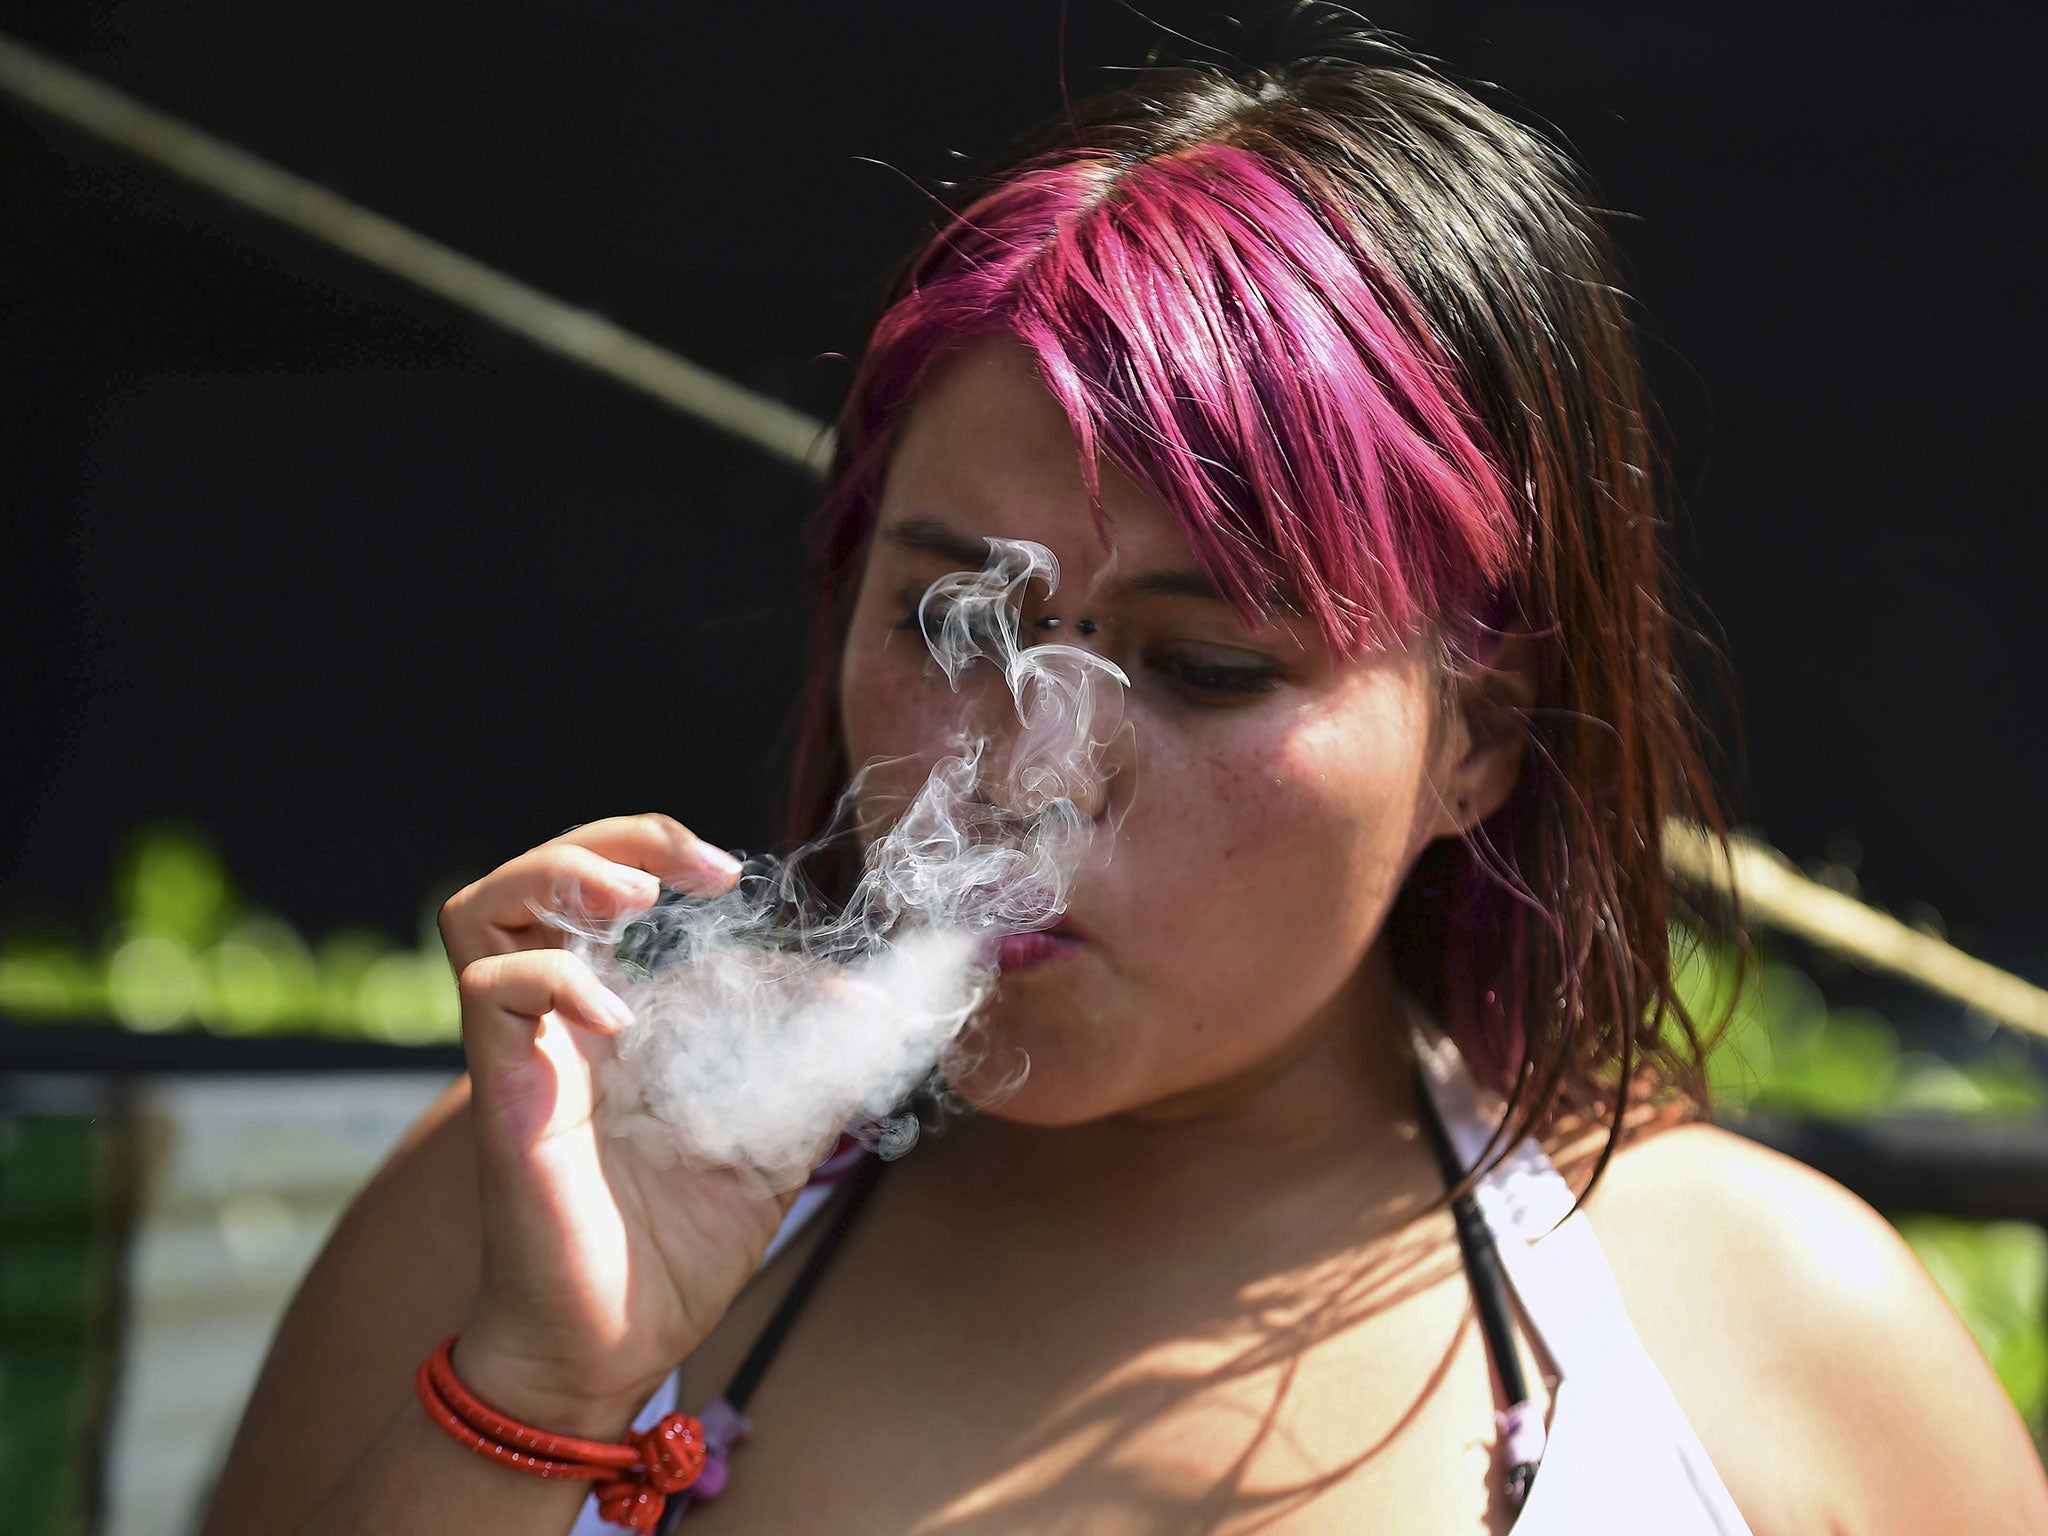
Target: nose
pixel 1030 794
pixel 1064 749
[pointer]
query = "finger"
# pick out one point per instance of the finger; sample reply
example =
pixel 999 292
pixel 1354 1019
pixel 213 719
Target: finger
pixel 662 846
pixel 505 997
pixel 514 1005
pixel 504 910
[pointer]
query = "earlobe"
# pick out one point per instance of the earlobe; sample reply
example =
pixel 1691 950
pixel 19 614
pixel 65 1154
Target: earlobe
pixel 1485 779
pixel 1489 735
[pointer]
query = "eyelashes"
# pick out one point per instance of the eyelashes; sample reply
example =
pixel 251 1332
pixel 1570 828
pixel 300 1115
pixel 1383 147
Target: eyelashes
pixel 1214 678
pixel 934 619
pixel 1196 676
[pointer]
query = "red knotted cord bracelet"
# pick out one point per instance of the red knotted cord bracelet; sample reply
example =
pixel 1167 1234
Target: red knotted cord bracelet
pixel 634 1478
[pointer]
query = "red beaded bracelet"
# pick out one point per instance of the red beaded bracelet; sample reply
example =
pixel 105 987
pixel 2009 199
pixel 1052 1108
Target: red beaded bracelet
pixel 634 1478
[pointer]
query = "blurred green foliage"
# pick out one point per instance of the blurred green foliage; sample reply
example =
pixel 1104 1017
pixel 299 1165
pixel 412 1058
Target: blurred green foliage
pixel 184 953
pixel 56 1262
pixel 1785 1050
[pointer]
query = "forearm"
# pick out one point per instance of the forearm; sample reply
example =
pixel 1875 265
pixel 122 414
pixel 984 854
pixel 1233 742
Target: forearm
pixel 415 1477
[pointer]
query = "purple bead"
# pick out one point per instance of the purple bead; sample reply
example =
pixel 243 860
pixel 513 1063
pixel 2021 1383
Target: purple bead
pixel 711 1481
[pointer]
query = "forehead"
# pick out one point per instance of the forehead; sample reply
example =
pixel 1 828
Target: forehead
pixel 987 449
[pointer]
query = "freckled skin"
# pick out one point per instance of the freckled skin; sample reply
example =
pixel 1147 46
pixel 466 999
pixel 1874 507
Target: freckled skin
pixel 1265 835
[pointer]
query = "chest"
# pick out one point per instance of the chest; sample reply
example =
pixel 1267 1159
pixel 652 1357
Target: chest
pixel 1354 1395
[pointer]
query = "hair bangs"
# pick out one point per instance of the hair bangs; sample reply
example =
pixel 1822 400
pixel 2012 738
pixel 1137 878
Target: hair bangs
pixel 1213 333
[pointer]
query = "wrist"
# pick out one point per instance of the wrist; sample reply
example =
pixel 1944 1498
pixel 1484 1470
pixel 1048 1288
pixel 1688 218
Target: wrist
pixel 521 1385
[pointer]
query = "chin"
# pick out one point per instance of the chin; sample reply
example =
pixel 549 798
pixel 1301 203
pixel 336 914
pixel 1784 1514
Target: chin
pixel 1049 1049
pixel 1030 1086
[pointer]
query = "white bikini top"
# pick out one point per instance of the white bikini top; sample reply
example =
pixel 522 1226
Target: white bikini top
pixel 1620 1456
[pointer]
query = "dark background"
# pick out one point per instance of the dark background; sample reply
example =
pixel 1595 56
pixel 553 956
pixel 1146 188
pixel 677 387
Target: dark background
pixel 378 597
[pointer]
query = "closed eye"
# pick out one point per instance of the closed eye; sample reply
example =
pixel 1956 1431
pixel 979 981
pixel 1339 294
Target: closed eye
pixel 928 620
pixel 1217 680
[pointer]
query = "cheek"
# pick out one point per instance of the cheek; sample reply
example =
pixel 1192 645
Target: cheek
pixel 1298 830
pixel 1350 790
pixel 1323 801
pixel 898 715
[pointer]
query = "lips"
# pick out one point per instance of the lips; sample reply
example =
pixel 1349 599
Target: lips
pixel 1026 951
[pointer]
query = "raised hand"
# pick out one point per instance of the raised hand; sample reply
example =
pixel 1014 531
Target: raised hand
pixel 603 1264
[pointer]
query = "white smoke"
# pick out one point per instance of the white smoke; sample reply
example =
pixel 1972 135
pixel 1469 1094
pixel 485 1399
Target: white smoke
pixel 765 1023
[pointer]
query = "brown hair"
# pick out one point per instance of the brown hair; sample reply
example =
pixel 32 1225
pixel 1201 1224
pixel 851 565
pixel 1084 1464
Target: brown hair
pixel 1541 940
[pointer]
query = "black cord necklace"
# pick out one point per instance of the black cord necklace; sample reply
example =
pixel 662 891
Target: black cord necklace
pixel 860 1184
pixel 1489 1288
pixel 1475 1242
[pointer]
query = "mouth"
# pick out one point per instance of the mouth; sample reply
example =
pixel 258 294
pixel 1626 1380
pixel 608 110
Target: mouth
pixel 1027 951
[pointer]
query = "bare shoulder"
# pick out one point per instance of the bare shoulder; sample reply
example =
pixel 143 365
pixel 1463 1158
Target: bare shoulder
pixel 395 1278
pixel 1826 1374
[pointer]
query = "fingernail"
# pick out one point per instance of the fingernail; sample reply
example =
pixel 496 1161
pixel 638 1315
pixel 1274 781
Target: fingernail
pixel 615 1008
pixel 719 859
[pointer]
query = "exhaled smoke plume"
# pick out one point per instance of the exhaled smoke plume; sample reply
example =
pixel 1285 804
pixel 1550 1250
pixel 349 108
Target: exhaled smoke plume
pixel 766 1023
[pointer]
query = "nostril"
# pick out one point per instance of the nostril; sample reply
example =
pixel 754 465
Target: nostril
pixel 1049 803
pixel 1028 785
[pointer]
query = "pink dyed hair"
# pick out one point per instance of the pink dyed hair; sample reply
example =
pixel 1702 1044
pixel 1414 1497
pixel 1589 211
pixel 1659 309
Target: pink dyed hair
pixel 1360 334
pixel 1218 337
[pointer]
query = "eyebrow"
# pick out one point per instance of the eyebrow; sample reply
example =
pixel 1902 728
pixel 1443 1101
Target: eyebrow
pixel 929 536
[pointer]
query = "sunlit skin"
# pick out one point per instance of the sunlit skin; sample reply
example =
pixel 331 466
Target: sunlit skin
pixel 1270 800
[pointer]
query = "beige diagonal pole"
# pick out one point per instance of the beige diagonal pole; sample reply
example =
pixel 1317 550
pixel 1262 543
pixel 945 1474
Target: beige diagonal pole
pixel 245 179
pixel 1775 892
pixel 1772 890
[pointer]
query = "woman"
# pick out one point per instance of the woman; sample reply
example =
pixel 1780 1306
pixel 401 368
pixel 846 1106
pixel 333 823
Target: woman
pixel 1317 384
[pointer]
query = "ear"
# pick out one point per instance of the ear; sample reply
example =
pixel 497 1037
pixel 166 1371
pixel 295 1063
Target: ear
pixel 1480 756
